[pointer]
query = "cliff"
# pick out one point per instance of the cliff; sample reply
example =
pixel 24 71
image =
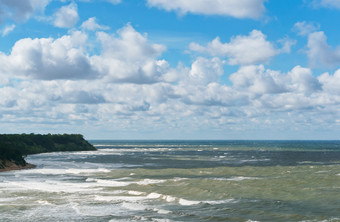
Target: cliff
pixel 14 147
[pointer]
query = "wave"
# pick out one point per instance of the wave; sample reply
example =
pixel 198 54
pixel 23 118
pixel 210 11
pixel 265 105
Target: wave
pixel 75 171
pixel 237 178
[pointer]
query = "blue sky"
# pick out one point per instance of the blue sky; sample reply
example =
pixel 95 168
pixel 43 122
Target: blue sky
pixel 181 69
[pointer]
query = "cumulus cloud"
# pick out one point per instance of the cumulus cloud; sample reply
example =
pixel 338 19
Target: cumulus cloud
pixel 129 45
pixel 130 57
pixel 19 10
pixel 302 80
pixel 46 58
pixel 126 58
pixel 66 16
pixel 8 29
pixel 235 8
pixel 92 25
pixel 243 50
pixel 204 71
pixel 258 80
pixel 320 53
pixel 331 83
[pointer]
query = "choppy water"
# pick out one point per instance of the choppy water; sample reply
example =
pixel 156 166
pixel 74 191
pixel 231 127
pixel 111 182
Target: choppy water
pixel 178 181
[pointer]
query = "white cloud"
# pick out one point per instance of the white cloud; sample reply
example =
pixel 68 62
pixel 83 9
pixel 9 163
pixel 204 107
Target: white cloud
pixel 130 45
pixel 235 8
pixel 127 58
pixel 8 29
pixel 303 81
pixel 258 80
pixel 330 3
pixel 46 58
pixel 19 10
pixel 305 28
pixel 92 25
pixel 320 53
pixel 81 90
pixel 287 44
pixel 130 57
pixel 204 71
pixel 331 83
pixel 242 50
pixel 66 16
pixel 114 1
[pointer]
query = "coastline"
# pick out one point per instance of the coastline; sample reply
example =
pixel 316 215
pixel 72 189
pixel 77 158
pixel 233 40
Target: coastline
pixel 14 147
pixel 11 165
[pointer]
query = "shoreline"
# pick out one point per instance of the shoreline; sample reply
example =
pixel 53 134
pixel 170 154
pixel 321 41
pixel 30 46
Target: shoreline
pixel 11 166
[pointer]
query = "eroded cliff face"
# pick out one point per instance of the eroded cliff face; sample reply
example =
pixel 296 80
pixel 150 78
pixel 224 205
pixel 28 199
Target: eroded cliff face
pixel 7 165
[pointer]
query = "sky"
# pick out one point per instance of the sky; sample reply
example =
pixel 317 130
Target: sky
pixel 180 69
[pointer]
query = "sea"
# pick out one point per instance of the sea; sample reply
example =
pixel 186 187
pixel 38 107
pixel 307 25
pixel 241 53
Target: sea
pixel 178 181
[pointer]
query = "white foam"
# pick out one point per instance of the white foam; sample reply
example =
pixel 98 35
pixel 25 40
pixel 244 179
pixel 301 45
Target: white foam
pixel 135 193
pixel 134 206
pixel 52 186
pixel 113 183
pixel 120 199
pixel 75 171
pixel 167 198
pixel 238 178
pixel 185 202
pixel 176 179
pixel 161 220
pixel 161 211
pixel 132 150
pixel 43 202
pixel 154 196
pixel 118 183
pixel 103 145
pixel 150 181
pixel 215 202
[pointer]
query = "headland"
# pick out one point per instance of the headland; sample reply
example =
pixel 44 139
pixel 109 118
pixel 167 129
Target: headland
pixel 15 147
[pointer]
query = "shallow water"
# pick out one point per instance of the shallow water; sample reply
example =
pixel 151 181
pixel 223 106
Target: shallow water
pixel 178 181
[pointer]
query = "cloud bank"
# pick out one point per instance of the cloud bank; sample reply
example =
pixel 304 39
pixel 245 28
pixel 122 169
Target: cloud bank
pixel 101 79
pixel 235 8
pixel 128 83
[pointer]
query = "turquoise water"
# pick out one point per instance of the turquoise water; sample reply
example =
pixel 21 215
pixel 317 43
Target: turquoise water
pixel 178 181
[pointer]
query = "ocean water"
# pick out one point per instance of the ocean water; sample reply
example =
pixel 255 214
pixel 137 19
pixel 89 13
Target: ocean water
pixel 178 181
